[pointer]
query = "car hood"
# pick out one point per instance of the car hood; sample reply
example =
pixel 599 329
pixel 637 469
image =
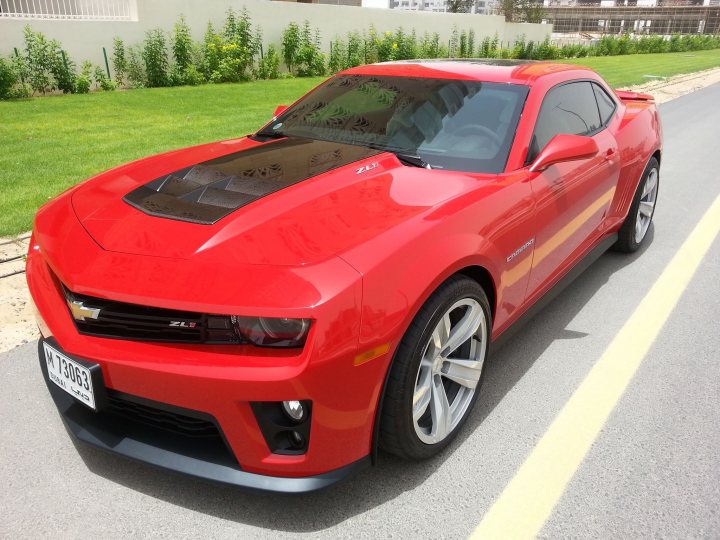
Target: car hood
pixel 291 201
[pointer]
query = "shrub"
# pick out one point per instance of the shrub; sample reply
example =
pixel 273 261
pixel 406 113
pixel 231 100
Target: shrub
pixel 8 78
pixel 370 41
pixel 229 56
pixel 155 56
pixel 240 47
pixel 182 45
pixel 37 56
pixel 309 60
pixel 385 48
pixel 185 71
pixel 62 69
pixel 463 51
pixel 212 51
pixel 625 45
pixel 83 81
pixel 454 45
pixel 429 46
pixel 136 67
pixel 102 80
pixel 489 47
pixel 269 66
pixel 404 45
pixel 355 50
pixel 191 76
pixel 518 50
pixel 120 63
pixel 291 45
pixel 21 91
pixel 46 67
pixel 338 56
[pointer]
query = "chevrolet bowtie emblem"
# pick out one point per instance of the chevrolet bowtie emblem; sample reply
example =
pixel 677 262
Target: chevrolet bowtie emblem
pixel 80 312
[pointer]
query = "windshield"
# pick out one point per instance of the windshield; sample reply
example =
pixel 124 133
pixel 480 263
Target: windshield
pixel 447 123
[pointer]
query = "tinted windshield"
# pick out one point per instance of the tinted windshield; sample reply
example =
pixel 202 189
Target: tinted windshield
pixel 450 124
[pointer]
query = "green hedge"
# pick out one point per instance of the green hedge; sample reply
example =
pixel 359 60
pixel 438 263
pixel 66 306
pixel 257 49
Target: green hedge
pixel 235 53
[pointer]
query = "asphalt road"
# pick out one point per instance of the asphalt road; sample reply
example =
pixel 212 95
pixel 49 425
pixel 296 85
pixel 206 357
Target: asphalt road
pixel 654 470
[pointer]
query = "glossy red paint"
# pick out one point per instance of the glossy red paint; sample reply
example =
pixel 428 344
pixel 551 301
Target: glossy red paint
pixel 356 253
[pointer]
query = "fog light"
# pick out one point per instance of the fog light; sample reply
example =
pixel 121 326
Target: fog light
pixel 294 409
pixel 297 440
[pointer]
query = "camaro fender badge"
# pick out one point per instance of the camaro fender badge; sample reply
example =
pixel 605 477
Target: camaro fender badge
pixel 519 250
pixel 80 312
pixel 183 324
pixel 366 168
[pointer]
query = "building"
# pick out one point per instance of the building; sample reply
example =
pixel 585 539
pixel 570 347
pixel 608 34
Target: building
pixel 480 7
pixel 662 17
pixel 630 3
pixel 356 3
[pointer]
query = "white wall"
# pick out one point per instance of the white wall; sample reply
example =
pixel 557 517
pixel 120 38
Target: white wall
pixel 83 40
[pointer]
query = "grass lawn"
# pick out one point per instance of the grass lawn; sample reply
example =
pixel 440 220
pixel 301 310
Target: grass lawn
pixel 49 144
pixel 621 71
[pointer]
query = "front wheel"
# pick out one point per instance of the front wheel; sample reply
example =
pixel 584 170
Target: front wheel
pixel 636 225
pixel 436 374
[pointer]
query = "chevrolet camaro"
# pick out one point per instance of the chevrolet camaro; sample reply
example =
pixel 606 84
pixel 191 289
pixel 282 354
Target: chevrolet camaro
pixel 268 311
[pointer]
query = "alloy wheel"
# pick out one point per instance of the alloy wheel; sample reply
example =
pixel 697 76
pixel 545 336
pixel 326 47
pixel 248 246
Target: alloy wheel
pixel 647 205
pixel 449 371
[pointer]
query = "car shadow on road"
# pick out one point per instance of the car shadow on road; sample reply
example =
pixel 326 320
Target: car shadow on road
pixel 391 477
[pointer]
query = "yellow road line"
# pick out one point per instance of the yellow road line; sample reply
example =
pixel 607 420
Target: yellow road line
pixel 529 499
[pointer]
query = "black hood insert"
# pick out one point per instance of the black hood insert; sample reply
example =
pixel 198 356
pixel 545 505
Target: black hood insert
pixel 208 191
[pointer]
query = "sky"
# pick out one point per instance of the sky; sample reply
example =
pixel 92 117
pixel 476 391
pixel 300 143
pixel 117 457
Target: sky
pixel 375 3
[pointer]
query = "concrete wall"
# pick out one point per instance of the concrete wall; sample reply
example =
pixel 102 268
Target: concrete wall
pixel 84 40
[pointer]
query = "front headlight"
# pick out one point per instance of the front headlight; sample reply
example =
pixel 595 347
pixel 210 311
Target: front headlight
pixel 272 332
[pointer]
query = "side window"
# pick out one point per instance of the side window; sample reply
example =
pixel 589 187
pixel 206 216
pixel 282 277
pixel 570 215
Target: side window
pixel 568 109
pixel 605 103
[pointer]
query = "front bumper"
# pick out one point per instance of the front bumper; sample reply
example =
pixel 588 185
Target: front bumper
pixel 206 458
pixel 221 381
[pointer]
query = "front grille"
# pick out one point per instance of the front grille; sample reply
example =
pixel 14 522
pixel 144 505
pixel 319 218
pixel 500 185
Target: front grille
pixel 165 420
pixel 155 425
pixel 110 319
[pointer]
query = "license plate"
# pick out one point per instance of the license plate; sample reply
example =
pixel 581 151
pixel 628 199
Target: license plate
pixel 70 376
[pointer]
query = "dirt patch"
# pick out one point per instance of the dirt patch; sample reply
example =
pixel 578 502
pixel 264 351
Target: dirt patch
pixel 17 321
pixel 666 89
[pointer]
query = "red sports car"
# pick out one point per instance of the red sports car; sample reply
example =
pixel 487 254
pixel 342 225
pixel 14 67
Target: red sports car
pixel 268 311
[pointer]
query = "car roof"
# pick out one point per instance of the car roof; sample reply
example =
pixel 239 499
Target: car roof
pixel 482 69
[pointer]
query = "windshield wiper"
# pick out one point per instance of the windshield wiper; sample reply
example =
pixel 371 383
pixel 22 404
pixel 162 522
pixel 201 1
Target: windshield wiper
pixel 413 160
pixel 405 157
pixel 270 134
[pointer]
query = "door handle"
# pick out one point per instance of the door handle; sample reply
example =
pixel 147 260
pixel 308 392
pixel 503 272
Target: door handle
pixel 610 153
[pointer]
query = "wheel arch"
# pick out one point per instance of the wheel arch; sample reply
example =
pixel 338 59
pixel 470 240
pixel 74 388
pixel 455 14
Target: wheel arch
pixel 657 155
pixel 483 277
pixel 477 272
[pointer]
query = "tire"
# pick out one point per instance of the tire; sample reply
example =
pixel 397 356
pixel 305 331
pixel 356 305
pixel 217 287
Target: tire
pixel 423 366
pixel 635 227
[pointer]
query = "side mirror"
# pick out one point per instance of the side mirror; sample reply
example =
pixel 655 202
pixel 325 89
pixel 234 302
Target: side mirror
pixel 563 148
pixel 279 110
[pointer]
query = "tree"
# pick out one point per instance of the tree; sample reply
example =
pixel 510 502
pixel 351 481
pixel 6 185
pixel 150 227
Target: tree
pixel 509 8
pixel 459 6
pixel 531 11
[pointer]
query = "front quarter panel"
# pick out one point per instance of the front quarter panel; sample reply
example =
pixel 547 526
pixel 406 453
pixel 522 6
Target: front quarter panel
pixel 481 228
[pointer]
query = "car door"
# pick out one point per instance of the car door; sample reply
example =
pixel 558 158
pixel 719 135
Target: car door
pixel 572 198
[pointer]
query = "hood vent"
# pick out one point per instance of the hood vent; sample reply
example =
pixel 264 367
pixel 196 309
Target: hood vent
pixel 209 191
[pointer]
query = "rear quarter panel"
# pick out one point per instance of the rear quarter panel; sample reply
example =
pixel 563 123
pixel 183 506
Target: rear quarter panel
pixel 638 132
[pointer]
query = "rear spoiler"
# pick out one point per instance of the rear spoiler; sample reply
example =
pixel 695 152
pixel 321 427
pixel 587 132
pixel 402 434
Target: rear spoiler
pixel 633 96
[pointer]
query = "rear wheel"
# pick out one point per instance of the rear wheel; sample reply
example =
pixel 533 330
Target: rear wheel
pixel 436 374
pixel 636 225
